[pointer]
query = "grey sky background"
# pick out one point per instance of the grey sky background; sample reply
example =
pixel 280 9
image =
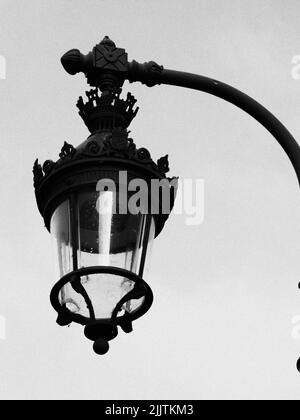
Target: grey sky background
pixel 226 291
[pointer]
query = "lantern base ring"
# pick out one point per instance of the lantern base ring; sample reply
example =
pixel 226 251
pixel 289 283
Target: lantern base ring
pixel 140 290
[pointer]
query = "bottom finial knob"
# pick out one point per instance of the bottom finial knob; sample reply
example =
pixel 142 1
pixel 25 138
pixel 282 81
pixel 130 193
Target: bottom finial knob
pixel 101 346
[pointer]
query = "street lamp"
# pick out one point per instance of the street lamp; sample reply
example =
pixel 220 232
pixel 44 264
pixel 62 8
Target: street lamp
pixel 101 239
pixel 97 201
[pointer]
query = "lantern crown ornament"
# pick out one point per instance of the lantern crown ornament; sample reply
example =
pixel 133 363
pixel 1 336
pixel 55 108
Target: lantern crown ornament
pixel 107 111
pixel 102 227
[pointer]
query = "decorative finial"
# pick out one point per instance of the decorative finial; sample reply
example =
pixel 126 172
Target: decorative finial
pixel 108 42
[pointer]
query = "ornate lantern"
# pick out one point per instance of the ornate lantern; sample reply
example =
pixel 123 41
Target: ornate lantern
pixel 97 202
pixel 101 226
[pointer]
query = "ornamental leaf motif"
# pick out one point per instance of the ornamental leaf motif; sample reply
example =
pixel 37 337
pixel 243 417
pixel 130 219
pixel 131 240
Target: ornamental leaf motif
pixel 67 151
pixel 38 174
pixel 163 164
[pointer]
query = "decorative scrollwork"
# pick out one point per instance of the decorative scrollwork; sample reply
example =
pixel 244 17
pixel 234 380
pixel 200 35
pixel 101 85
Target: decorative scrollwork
pixel 143 154
pixel 93 148
pixel 48 166
pixel 116 145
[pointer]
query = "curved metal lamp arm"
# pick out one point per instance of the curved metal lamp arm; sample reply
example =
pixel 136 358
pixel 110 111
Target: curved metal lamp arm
pixel 241 100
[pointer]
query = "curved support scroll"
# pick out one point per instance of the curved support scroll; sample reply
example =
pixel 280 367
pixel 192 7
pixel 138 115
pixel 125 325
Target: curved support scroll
pixel 78 288
pixel 139 291
pixel 241 100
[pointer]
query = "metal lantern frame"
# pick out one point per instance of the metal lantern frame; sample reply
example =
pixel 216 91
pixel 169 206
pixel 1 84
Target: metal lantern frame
pixel 106 68
pixel 106 152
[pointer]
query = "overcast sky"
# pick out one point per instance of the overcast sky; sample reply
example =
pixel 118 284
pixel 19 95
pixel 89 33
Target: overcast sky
pixel 225 291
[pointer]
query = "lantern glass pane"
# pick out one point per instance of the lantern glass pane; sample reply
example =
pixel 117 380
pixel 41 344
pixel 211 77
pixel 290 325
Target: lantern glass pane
pixel 61 238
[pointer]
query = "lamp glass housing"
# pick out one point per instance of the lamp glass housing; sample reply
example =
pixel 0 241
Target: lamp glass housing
pixel 88 231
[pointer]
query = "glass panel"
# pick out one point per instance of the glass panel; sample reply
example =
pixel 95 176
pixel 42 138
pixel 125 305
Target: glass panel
pixel 61 239
pixel 110 239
